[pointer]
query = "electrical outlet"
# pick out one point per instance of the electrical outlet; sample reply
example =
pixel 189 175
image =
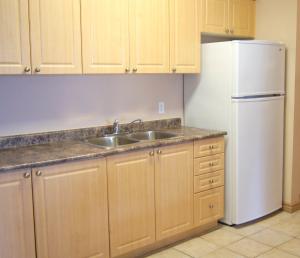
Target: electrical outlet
pixel 161 107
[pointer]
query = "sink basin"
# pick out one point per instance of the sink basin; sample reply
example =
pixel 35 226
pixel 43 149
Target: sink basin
pixel 112 141
pixel 151 135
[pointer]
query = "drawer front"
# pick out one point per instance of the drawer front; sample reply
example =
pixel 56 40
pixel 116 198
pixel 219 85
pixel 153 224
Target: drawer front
pixel 208 206
pixel 208 181
pixel 208 164
pixel 208 147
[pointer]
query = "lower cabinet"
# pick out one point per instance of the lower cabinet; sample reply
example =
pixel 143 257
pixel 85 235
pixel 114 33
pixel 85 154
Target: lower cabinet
pixel 209 206
pixel 174 189
pixel 110 207
pixel 131 201
pixel 70 210
pixel 16 215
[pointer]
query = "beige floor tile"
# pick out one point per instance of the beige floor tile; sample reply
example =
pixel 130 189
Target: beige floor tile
pixel 249 247
pixel 292 247
pixel 223 253
pixel 289 228
pixel 271 237
pixel 196 247
pixel 169 253
pixel 275 253
pixel 222 237
pixel 246 230
pixel 276 219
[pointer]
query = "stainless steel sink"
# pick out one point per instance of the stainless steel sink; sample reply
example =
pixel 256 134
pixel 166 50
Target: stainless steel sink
pixel 151 135
pixel 112 141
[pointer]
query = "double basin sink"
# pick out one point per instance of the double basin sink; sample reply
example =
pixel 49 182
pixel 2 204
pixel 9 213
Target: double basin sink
pixel 114 141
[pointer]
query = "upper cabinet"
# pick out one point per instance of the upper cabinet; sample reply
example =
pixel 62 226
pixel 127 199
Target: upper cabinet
pixel 185 36
pixel 242 17
pixel 149 36
pixel 99 36
pixel 105 36
pixel 14 37
pixel 55 36
pixel 228 17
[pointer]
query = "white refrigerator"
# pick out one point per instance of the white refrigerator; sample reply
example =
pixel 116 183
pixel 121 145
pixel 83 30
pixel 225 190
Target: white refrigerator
pixel 241 90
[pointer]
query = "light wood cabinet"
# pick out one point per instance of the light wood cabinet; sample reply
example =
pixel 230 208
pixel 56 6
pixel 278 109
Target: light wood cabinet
pixel 185 36
pixel 228 17
pixel 149 36
pixel 209 206
pixel 16 215
pixel 55 36
pixel 174 189
pixel 131 201
pixel 70 208
pixel 242 17
pixel 105 36
pixel 14 37
pixel 214 16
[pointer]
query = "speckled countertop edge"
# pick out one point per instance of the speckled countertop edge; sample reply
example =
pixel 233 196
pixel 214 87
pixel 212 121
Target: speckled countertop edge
pixel 58 153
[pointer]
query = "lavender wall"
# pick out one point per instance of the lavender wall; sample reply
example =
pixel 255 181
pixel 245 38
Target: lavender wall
pixel 30 104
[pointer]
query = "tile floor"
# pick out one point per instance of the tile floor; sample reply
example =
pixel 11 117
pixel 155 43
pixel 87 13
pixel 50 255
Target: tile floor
pixel 277 236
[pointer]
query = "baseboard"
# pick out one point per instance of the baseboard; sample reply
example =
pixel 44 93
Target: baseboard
pixel 291 208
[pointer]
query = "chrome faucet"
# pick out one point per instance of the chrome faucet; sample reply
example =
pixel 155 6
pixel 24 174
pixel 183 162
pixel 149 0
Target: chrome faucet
pixel 135 121
pixel 116 127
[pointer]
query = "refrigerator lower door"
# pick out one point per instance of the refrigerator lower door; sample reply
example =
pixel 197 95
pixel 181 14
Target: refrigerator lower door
pixel 257 163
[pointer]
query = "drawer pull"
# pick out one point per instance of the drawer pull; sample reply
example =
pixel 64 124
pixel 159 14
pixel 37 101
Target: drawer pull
pixel 211 206
pixel 151 153
pixel 27 175
pixel 211 181
pixel 211 147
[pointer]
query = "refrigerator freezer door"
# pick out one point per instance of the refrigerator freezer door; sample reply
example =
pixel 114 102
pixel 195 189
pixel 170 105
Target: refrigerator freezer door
pixel 258 157
pixel 258 69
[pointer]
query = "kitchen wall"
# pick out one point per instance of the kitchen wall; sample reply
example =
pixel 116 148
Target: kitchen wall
pixel 30 104
pixel 277 20
pixel 296 160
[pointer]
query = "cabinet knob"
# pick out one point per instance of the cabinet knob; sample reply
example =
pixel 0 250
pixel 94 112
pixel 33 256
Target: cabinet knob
pixel 211 206
pixel 27 175
pixel 227 30
pixel 174 70
pixel 159 152
pixel 134 70
pixel 38 173
pixel 127 70
pixel 27 69
pixel 37 70
pixel 211 181
pixel 151 153
pixel 232 31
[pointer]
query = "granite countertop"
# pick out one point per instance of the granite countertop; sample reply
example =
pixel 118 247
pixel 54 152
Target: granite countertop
pixel 59 152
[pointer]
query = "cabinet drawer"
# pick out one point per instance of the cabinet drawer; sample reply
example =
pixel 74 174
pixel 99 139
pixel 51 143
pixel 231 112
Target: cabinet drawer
pixel 208 164
pixel 208 181
pixel 208 206
pixel 208 147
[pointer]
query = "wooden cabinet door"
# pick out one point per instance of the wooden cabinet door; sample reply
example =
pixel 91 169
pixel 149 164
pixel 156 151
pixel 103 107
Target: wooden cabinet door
pixel 14 37
pixel 105 36
pixel 209 206
pixel 149 36
pixel 131 201
pixel 16 215
pixel 215 16
pixel 70 203
pixel 55 36
pixel 174 189
pixel 185 36
pixel 242 16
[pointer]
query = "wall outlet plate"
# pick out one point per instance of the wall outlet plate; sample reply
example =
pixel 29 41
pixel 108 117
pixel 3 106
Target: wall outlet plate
pixel 161 107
